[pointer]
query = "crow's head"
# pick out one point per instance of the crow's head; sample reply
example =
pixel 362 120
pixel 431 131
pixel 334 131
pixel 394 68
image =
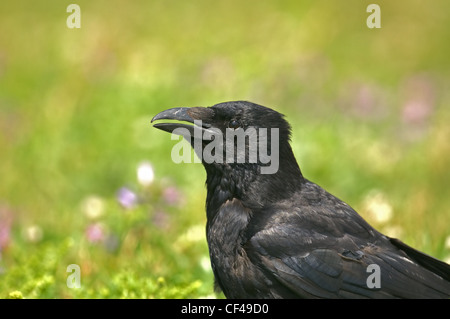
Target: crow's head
pixel 237 141
pixel 231 132
pixel 234 115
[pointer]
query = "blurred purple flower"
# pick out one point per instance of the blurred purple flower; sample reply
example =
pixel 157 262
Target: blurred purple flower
pixel 95 233
pixel 172 195
pixel 127 198
pixel 111 243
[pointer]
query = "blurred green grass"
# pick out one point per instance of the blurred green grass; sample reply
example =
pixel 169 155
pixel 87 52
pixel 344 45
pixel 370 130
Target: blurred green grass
pixel 369 110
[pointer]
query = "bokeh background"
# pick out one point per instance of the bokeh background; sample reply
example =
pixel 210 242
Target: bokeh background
pixel 86 180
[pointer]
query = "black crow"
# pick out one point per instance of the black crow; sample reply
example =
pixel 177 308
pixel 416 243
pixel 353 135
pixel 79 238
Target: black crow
pixel 274 234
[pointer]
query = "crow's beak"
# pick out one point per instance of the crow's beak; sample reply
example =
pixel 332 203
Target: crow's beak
pixel 199 116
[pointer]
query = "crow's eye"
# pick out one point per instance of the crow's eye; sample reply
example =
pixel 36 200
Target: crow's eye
pixel 234 124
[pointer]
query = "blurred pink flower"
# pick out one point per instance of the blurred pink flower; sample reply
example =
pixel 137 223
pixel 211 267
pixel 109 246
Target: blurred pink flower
pixel 5 227
pixel 363 100
pixel 419 103
pixel 172 195
pixel 161 220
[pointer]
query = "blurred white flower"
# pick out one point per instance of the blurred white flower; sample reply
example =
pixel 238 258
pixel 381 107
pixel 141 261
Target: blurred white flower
pixel 145 174
pixel 93 206
pixel 205 263
pixel 377 206
pixel 192 235
pixel 447 242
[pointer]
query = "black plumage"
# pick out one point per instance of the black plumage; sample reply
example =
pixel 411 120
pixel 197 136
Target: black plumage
pixel 279 235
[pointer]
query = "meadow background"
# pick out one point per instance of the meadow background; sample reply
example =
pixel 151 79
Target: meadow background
pixel 86 180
